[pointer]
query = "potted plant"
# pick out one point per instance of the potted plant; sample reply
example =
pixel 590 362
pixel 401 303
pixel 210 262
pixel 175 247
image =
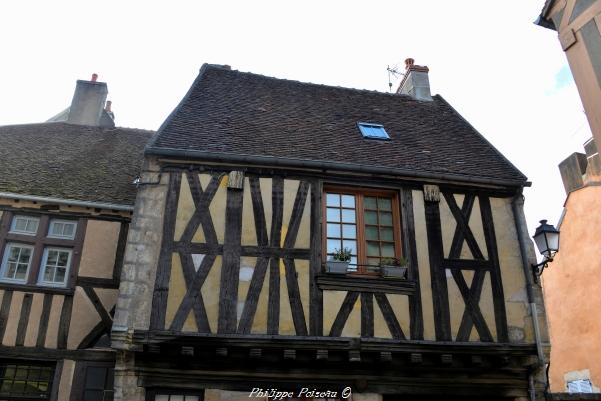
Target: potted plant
pixel 339 261
pixel 394 267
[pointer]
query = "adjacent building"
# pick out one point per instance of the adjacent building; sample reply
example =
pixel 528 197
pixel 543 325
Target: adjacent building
pixel 251 187
pixel 66 200
pixel 571 284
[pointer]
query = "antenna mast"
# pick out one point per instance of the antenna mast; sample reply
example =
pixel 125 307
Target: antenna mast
pixel 392 72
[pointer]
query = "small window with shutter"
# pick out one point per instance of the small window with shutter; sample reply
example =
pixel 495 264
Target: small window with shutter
pixel 580 386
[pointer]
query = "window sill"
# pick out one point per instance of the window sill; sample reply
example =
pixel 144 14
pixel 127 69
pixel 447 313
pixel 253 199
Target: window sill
pixel 365 283
pixel 5 285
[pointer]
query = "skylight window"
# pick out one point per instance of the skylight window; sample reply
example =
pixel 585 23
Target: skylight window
pixel 373 131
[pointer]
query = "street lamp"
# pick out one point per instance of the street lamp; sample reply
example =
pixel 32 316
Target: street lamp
pixel 546 238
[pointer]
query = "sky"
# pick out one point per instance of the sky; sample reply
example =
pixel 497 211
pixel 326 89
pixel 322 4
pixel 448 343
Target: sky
pixel 508 77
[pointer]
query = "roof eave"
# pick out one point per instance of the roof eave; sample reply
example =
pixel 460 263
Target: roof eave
pixel 67 202
pixel 329 165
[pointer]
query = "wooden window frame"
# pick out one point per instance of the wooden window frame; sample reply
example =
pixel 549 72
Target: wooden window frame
pixel 38 364
pixel 40 241
pixel 78 385
pixel 360 193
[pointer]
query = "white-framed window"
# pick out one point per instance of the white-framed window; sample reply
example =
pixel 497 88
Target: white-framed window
pixel 64 229
pixel 55 267
pixel 176 397
pixel 16 262
pixel 580 386
pixel 24 225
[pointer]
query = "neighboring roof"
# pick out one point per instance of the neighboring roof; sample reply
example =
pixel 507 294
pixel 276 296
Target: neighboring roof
pixel 68 161
pixel 237 116
pixel 543 19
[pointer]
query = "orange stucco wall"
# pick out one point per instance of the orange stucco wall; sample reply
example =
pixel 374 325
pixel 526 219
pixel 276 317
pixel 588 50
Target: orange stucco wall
pixel 572 289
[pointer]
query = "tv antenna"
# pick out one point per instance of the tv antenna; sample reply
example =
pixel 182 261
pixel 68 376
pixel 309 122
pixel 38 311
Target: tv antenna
pixel 393 72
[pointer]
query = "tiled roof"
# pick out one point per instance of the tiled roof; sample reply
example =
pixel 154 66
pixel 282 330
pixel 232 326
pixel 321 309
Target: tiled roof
pixel 73 162
pixel 237 115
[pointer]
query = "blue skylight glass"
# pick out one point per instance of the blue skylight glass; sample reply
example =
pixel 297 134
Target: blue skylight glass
pixel 373 131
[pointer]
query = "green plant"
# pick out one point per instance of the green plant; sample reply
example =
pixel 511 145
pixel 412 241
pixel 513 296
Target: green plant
pixel 342 255
pixel 400 261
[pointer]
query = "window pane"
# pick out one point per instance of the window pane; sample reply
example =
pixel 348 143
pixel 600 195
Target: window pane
pixel 352 245
pixel 387 250
pixel 176 398
pixel 386 234
pixel 48 273
pixel 60 275
pixel 386 219
pixel 384 203
pixel 63 258
pixel 333 214
pixel 371 232
pixel 56 228
pixel 334 244
pixel 370 202
pixel 68 231
pixel 13 256
pixel 20 224
pixel 52 257
pixel 349 231
pixel 333 230
pixel 191 398
pixel 371 217
pixel 348 216
pixel 348 201
pixel 25 255
pixel 95 377
pixel 373 261
pixel 373 249
pixel 333 200
pixel 161 397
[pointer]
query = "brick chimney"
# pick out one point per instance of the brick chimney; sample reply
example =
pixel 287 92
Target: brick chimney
pixel 415 83
pixel 87 106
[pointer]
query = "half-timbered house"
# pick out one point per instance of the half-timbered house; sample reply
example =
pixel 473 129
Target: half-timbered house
pixel 66 199
pixel 250 187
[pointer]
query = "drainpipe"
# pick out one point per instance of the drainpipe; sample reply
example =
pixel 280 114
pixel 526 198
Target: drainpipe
pixel 517 205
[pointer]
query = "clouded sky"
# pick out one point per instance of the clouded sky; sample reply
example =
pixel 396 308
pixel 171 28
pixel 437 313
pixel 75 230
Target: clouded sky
pixel 505 75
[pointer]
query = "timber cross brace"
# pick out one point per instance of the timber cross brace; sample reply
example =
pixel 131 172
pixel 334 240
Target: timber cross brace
pixel 204 244
pixel 472 315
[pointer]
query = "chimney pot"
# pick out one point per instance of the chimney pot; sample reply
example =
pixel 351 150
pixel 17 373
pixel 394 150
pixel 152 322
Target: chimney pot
pixel 107 107
pixel 94 77
pixel 409 63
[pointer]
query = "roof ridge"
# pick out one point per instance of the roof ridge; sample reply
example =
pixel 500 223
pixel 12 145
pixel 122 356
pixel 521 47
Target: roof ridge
pixel 295 81
pixel 58 123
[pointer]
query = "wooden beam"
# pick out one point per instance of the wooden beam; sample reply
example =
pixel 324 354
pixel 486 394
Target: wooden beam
pixel 343 313
pixel 44 319
pixel 367 314
pixel 23 319
pixel 315 293
pixel 273 301
pixel 389 317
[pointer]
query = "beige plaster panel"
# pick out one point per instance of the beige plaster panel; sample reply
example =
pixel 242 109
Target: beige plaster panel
pixel 247 269
pixel 185 209
pixel 10 333
pixel 177 290
pixel 447 224
pixel 380 327
pixel 421 240
pixel 400 306
pixel 571 288
pixel 107 296
pixel 249 234
pixel 512 271
pixel 332 301
pixel 83 318
pixel 35 315
pixel 99 249
pixel 352 328
pixel 64 389
pixel 259 325
pixel 210 293
pixel 218 206
pixel 286 321
pixel 54 321
pixel 266 190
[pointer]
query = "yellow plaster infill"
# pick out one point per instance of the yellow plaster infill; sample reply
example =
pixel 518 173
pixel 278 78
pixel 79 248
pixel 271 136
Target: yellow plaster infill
pixel 380 327
pixel 177 290
pixel 332 300
pixel 64 389
pixel 303 238
pixel 352 328
pixel 400 306
pixel 421 240
pixel 249 234
pixel 259 325
pixel 185 208
pixel 266 189
pixel 210 293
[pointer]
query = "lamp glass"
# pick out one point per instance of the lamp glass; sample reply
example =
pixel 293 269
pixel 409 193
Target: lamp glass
pixel 546 239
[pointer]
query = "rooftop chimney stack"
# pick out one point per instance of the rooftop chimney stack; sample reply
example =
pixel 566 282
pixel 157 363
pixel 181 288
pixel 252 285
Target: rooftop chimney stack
pixel 415 83
pixel 87 106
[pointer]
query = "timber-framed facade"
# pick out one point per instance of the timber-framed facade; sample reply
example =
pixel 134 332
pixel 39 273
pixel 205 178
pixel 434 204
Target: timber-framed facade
pixel 228 247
